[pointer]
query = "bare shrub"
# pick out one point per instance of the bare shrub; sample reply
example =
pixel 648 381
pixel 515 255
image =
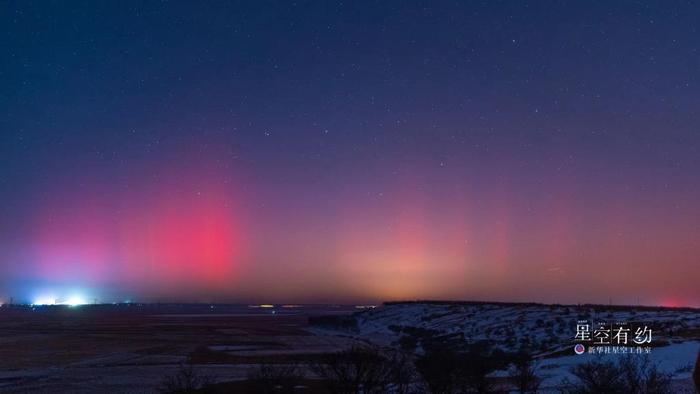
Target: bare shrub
pixel 630 375
pixel 642 376
pixel 363 369
pixel 524 374
pixel 185 380
pixel 440 370
pixel 270 378
pixel 595 377
pixel 402 373
pixel 696 374
pixel 446 371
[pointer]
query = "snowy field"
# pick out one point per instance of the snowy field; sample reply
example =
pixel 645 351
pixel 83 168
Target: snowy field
pixel 549 329
pixel 545 327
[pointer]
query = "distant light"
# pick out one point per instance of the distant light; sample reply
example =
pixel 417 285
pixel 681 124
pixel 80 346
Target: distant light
pixel 75 301
pixel 44 301
pixel 267 306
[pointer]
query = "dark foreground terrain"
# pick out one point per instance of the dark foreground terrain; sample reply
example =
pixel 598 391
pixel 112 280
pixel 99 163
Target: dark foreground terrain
pixel 131 348
pixel 446 347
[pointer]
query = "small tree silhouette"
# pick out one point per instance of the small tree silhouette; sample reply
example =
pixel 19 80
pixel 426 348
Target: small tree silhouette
pixel 276 378
pixel 446 371
pixel 184 381
pixel 631 375
pixel 402 373
pixel 524 374
pixel 440 370
pixel 696 374
pixel 360 369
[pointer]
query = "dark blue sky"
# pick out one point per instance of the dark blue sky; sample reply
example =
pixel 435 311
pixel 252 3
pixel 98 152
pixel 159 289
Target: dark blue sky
pixel 351 151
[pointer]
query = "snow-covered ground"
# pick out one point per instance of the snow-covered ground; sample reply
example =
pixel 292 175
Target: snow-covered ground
pixel 544 327
pixel 548 329
pixel 676 359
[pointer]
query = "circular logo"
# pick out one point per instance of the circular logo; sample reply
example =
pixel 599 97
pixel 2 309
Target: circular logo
pixel 579 349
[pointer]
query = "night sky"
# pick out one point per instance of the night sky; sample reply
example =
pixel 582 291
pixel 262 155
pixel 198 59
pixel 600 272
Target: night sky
pixel 350 152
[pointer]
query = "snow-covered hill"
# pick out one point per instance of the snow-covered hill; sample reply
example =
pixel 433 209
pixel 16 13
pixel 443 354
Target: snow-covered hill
pixel 542 328
pixel 547 331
